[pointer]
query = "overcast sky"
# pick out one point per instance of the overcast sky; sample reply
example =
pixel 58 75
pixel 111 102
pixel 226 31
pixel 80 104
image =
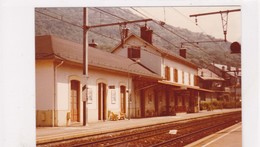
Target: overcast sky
pixel 209 24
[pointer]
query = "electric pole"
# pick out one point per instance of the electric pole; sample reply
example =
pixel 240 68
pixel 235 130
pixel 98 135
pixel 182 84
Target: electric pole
pixel 224 19
pixel 85 69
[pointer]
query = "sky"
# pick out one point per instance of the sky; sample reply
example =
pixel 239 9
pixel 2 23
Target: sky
pixel 209 24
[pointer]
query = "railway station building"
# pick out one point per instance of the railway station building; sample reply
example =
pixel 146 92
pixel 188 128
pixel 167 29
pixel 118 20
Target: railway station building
pixel 209 80
pixel 232 77
pixel 178 91
pixel 59 82
pixel 138 79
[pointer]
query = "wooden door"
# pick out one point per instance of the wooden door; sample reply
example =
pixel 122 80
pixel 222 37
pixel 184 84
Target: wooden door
pixel 102 101
pixel 74 102
pixel 123 99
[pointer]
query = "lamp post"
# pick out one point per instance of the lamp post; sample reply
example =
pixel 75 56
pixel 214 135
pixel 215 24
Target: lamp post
pixel 128 87
pixel 236 76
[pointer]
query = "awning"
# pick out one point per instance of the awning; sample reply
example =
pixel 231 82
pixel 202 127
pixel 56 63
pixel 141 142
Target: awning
pixel 212 78
pixel 222 91
pixel 182 86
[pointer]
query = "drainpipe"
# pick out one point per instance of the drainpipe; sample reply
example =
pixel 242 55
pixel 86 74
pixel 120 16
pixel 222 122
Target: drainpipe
pixel 198 101
pixel 55 92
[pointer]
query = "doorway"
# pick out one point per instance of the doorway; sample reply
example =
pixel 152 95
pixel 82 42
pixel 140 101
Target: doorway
pixel 123 99
pixel 74 102
pixel 102 101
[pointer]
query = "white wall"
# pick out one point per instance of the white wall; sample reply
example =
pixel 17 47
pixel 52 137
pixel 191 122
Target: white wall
pixel 192 79
pixel 186 78
pixel 65 73
pixel 181 66
pixel 110 79
pixel 152 61
pixel 182 69
pixel 180 80
pixel 149 57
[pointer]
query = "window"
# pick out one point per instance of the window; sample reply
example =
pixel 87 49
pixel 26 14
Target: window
pixel 134 52
pixel 189 79
pixel 196 82
pixel 175 75
pixel 167 73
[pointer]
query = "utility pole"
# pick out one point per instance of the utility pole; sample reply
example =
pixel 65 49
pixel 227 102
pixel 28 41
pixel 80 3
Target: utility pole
pixel 85 69
pixel 224 18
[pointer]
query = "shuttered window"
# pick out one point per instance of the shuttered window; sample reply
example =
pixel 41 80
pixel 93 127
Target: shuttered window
pixel 175 75
pixel 196 80
pixel 134 52
pixel 189 79
pixel 167 73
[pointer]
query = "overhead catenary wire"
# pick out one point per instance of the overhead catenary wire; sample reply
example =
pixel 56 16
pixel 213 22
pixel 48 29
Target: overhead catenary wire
pixel 79 25
pixel 167 40
pixel 175 33
pixel 187 18
pixel 60 19
pixel 190 42
pixel 138 26
pixel 89 30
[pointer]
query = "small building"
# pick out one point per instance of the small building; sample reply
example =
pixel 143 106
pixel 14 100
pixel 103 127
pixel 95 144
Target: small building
pixel 211 81
pixel 232 77
pixel 59 81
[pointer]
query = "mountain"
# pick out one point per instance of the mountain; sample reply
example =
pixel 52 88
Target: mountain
pixel 48 21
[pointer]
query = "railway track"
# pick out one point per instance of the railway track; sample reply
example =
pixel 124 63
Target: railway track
pixel 158 135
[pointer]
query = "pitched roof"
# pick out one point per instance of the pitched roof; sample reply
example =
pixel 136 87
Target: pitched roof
pixel 48 47
pixel 161 50
pixel 206 74
pixel 230 70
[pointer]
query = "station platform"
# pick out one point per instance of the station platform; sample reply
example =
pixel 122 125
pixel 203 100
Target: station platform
pixel 231 137
pixel 49 134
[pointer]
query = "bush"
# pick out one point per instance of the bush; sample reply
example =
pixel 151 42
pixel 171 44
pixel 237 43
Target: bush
pixel 219 105
pixel 206 106
pixel 232 104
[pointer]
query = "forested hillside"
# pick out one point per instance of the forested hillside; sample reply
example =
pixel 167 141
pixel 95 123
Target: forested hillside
pixel 107 38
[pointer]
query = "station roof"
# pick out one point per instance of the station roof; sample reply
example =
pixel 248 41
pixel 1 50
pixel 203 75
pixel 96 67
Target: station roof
pixel 206 74
pixel 229 69
pixel 170 54
pixel 185 86
pixel 49 47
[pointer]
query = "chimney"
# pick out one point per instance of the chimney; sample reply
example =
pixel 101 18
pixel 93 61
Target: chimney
pixel 146 34
pixel 183 52
pixel 93 44
pixel 223 68
pixel 202 74
pixel 228 68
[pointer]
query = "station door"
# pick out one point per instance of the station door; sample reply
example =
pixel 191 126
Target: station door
pixel 123 99
pixel 102 101
pixel 74 101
